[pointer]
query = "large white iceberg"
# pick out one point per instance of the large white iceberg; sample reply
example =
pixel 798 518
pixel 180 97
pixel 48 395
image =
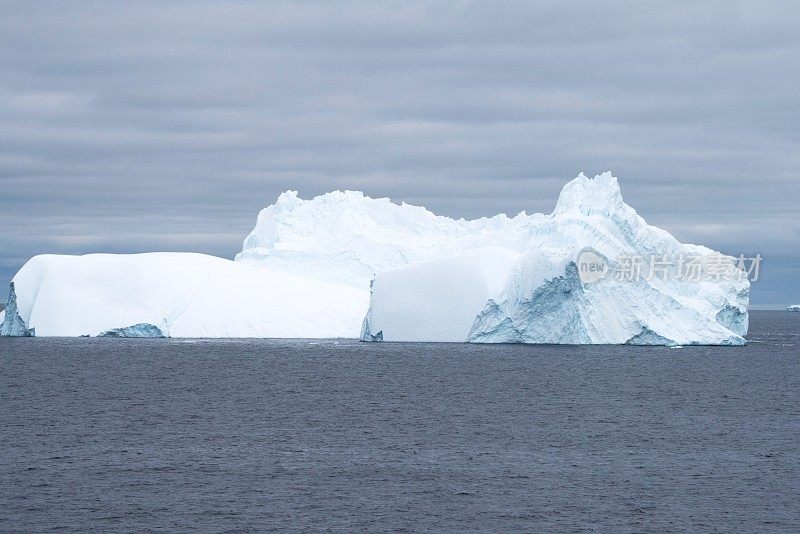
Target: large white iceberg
pixel 346 265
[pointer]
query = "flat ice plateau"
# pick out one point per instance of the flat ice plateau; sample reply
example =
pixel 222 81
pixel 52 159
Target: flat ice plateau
pixel 180 294
pixel 346 265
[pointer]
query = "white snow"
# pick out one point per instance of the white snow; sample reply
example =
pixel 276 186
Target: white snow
pixel 184 295
pixel 450 290
pixel 306 270
pixel 347 237
pixel 543 299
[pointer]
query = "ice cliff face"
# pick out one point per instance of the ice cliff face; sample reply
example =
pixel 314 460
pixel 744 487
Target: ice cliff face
pixel 344 265
pixel 544 299
pixel 178 295
pixel 12 324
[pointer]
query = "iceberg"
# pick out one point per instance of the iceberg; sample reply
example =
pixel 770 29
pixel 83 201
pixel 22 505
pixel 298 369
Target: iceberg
pixel 346 265
pixel 793 308
pixel 177 294
pixel 559 282
pixel 136 330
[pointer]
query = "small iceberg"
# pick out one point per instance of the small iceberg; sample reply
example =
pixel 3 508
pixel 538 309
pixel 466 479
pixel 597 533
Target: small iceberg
pixel 137 330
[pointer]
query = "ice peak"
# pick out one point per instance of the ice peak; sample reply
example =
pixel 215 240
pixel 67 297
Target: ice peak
pixel 590 196
pixel 287 197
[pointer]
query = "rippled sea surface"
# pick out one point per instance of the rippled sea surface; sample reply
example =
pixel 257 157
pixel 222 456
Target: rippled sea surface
pixel 226 435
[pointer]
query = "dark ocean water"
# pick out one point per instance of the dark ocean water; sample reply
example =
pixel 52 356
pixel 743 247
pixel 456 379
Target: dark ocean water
pixel 227 435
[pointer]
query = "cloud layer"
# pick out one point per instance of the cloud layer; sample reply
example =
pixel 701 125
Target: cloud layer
pixel 167 126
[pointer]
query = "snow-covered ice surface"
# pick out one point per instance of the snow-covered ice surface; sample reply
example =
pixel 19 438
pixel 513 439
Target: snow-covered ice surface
pixel 307 268
pixel 452 290
pixel 181 294
pixel 347 237
pixel 544 300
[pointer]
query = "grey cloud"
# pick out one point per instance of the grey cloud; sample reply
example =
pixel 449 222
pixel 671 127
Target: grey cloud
pixel 150 125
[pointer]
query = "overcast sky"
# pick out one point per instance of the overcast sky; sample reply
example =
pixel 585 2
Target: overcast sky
pixel 141 126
